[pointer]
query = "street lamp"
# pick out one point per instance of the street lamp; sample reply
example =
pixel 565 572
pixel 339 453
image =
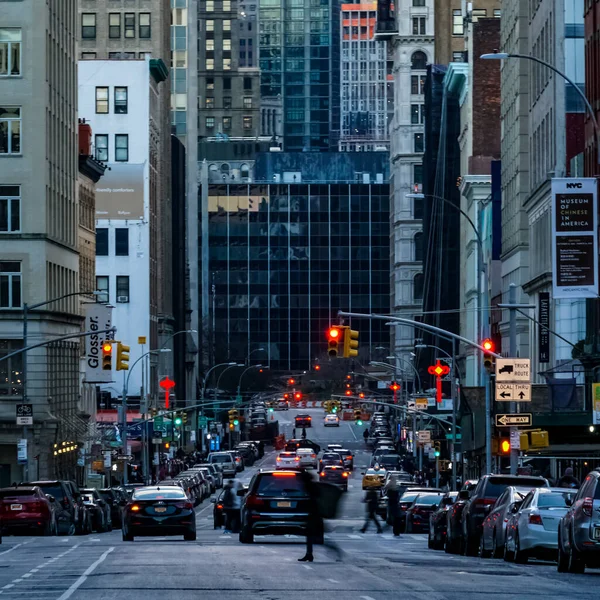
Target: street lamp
pixel 588 106
pixel 247 361
pixel 124 405
pixel 225 371
pixel 239 387
pixel 177 333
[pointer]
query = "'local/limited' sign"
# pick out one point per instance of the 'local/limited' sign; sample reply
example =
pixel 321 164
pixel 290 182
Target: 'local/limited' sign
pixel 513 392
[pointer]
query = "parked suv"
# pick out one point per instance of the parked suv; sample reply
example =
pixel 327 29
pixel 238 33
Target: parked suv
pixel 225 460
pixel 579 529
pixel 481 500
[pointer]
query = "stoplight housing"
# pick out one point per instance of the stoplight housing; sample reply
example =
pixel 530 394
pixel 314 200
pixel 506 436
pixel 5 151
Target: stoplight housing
pixel 350 343
pixel 107 356
pixel 334 336
pixel 437 449
pixel 358 416
pixel 177 420
pixel 505 446
pixel 122 357
pixel 489 362
pixel 184 417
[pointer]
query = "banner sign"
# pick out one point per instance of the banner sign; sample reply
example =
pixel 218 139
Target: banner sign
pixel 97 317
pixel 574 238
pixel 543 333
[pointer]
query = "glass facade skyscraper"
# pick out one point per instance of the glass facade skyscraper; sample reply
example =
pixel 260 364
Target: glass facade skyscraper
pixel 284 258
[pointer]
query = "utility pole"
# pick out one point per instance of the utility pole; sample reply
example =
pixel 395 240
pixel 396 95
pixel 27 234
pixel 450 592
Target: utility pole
pixel 454 394
pixel 512 300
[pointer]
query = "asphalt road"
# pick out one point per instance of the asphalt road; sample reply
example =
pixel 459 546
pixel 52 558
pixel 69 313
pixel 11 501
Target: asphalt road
pixel 374 567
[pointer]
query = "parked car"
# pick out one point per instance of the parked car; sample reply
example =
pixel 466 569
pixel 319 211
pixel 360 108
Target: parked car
pixel 454 539
pixel 114 499
pixel 303 420
pixel 225 460
pixel 532 528
pixel 156 510
pixel 99 508
pixel 247 454
pixel 215 472
pixel 282 405
pixel 493 530
pixel 485 494
pixel 417 514
pixel 239 460
pixel 27 509
pixel 438 521
pixel 579 529
pixel 70 516
pixel 294 444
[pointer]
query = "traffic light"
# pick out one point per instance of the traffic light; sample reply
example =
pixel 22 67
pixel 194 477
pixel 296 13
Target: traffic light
pixel 350 343
pixel 488 358
pixel 361 395
pixel 317 367
pixel 178 420
pixel 291 381
pixel 107 356
pixel 348 392
pixel 286 396
pixel 233 418
pixel 153 412
pixel 334 335
pixel 437 449
pixel 122 357
pixel 231 426
pixel 167 445
pixel 298 396
pixel 184 417
pixel 505 446
pixel 358 416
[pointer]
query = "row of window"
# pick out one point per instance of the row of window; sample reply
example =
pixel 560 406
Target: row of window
pixel 10 130
pixel 117 55
pixel 458 27
pixel 89 26
pixel 209 123
pixel 121 288
pixel 225 5
pixel 10 52
pixel 209 102
pixel 119 100
pixel 226 81
pixel 121 147
pixel 121 241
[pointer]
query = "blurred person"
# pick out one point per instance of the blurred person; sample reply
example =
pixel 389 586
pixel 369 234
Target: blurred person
pixel 568 480
pixel 372 502
pixel 228 502
pixel 393 498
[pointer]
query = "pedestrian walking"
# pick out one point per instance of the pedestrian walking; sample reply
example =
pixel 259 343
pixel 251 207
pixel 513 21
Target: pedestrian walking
pixel 393 498
pixel 372 502
pixel 229 506
pixel 304 433
pixel 366 435
pixel 234 523
pixel 294 433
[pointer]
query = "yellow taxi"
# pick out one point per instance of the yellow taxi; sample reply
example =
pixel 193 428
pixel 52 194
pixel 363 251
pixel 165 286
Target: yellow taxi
pixel 373 478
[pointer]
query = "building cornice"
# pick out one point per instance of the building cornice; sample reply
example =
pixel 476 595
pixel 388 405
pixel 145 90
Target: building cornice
pixel 158 70
pixel 91 168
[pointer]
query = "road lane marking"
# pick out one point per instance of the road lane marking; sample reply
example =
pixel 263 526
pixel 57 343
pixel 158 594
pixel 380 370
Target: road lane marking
pixel 11 549
pixel 305 566
pixel 8 586
pixel 352 431
pixel 354 536
pixel 367 598
pixel 333 580
pixel 75 586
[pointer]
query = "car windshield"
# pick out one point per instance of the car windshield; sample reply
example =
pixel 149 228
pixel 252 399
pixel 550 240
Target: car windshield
pixel 170 493
pixel 282 484
pixel 554 499
pixel 408 497
pixel 428 499
pixel 53 490
pixel 496 485
pixel 220 458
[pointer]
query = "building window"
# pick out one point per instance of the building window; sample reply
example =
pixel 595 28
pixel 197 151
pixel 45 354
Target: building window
pixel 114 25
pixel 129 25
pixel 120 100
pixel 10 284
pixel 210 25
pixel 226 64
pixel 226 24
pixel 209 122
pixel 458 27
pixel 418 2
pixel 247 83
pixel 418 244
pixel 210 64
pixel 418 25
pixel 210 45
pixel 210 83
pixel 227 102
pixel 226 83
pixel 227 45
pixel 10 208
pixel 497 12
pixel 418 281
pixel 122 289
pixel 226 123
pixel 418 142
pixel 416 113
pixel 418 61
pixel 226 5
pixel 121 147
pixel 145 29
pixel 88 26
pixel 11 369
pixel 102 147
pixel 417 84
pixel 210 5
pixel 10 52
pixel 209 102
pixel 122 241
pixel 10 130
pixel 101 241
pixel 247 102
pixel 102 287
pixel 102 100
pixel 247 123
pixel 458 57
pixel 88 55
pixel 476 13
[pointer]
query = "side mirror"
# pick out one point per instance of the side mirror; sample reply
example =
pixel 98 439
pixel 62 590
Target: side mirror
pixel 569 501
pixel 514 508
pixel 464 495
pixel 51 498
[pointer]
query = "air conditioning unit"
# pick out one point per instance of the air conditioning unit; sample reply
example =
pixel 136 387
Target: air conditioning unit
pixel 122 298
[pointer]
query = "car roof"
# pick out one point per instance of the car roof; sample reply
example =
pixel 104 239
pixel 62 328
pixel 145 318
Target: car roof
pixel 20 489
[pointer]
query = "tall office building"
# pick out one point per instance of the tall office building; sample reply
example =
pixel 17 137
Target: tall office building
pixel 39 246
pixel 299 62
pixel 367 98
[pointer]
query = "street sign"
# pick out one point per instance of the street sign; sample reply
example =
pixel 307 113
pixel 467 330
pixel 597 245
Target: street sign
pixel 24 414
pixel 458 436
pixel 421 403
pixel 513 370
pixel 515 439
pixel 513 392
pixel 202 422
pixel 156 440
pixel 519 420
pixel 22 451
pixel 126 457
pixel 424 436
pixel 411 406
pixel 141 339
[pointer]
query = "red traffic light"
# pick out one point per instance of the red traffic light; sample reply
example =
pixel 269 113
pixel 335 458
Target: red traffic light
pixel 291 381
pixel 488 345
pixel 394 386
pixel 348 376
pixel 348 392
pixel 286 396
pixel 317 367
pixel 361 395
pixel 298 395
pixel 505 446
pixel 334 333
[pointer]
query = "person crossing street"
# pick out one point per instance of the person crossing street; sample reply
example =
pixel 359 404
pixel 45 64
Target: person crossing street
pixel 371 500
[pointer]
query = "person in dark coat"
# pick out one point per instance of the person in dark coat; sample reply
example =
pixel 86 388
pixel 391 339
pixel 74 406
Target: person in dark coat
pixel 314 524
pixel 304 433
pixel 372 502
pixel 568 480
pixel 393 498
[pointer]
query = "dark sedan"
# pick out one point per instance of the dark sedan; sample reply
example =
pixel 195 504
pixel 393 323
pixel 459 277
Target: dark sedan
pixel 335 474
pixel 330 458
pixel 417 515
pixel 160 511
pixel 438 520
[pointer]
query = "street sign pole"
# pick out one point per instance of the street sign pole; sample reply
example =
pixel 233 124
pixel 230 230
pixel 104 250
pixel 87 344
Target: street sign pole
pixel 512 299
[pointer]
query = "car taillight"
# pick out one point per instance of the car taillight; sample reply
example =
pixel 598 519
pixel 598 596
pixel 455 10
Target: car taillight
pixel 134 508
pixel 220 506
pixel 482 502
pixel 535 519
pixel 586 507
pixel 186 505
pixel 344 474
pixel 254 501
pixel 322 473
pixel 297 458
pixel 348 458
pixel 404 506
pixel 313 456
pixel 279 458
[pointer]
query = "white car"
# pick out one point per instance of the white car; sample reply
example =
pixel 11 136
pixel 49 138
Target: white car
pixel 308 458
pixel 331 421
pixel 288 460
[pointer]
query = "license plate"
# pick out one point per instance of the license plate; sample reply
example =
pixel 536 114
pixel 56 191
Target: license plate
pixel 284 504
pixel 160 509
pixel 16 507
pixel 596 533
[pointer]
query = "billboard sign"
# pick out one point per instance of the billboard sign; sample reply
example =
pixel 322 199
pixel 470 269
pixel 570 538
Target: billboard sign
pixel 544 327
pixel 574 238
pixel 97 317
pixel 120 192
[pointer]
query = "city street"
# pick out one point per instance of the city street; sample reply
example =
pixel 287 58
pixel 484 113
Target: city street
pixel 374 567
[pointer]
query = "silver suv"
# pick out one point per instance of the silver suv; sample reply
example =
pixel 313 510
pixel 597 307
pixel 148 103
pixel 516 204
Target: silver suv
pixel 225 460
pixel 579 529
